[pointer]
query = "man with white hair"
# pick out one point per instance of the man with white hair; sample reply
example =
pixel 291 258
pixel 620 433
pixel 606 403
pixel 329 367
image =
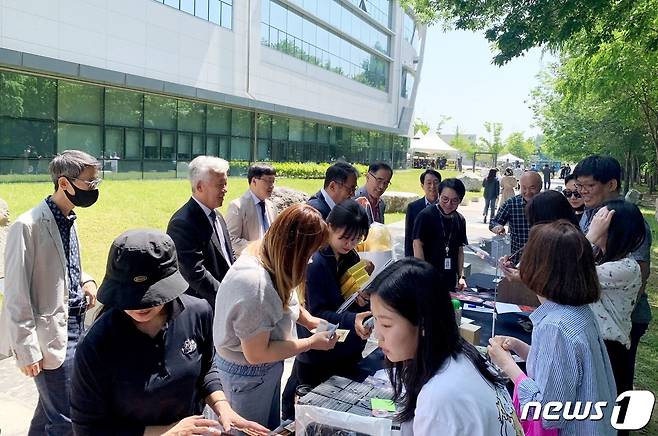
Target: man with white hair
pixel 199 231
pixel 46 291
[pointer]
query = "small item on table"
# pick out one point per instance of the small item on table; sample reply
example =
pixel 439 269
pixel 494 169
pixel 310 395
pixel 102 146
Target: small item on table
pixel 471 333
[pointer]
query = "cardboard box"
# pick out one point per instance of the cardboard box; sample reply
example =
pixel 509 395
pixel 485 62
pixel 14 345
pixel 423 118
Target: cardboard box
pixel 471 333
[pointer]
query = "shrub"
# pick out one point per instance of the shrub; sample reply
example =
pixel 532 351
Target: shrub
pixel 293 170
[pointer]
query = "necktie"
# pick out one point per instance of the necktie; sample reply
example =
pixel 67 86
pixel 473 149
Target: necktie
pixel 213 218
pixel 266 225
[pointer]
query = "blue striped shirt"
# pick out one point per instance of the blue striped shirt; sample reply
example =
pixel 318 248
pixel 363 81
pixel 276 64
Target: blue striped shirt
pixel 568 361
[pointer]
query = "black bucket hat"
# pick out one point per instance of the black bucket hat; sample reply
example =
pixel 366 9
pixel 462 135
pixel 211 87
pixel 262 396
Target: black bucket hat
pixel 142 271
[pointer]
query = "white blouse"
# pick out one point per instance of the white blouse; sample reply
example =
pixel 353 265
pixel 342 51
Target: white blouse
pixel 620 283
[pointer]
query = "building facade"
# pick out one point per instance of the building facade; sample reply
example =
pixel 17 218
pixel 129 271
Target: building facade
pixel 147 85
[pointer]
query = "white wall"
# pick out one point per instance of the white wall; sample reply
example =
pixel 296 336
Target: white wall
pixel 149 39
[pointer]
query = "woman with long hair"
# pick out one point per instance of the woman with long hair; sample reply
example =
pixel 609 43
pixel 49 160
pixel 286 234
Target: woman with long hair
pixel 571 193
pixel 491 187
pixel 443 384
pixel 616 231
pixel 567 361
pixel 257 311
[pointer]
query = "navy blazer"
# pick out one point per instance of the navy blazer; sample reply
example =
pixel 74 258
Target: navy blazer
pixel 323 298
pixel 200 258
pixel 413 209
pixel 318 202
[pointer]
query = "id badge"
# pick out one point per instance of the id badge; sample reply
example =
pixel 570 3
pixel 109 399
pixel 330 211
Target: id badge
pixel 447 264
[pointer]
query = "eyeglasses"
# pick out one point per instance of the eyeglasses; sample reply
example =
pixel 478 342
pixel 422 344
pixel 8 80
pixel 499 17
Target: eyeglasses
pixel 568 194
pixel 586 186
pixel 350 189
pixel 382 182
pixel 268 182
pixel 453 201
pixel 92 184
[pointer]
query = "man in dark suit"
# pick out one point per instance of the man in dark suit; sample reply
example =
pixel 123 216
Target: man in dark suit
pixel 339 185
pixel 202 241
pixel 429 181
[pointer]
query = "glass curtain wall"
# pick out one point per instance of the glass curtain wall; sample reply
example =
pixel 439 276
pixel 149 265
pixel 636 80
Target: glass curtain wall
pixel 219 12
pixel 138 135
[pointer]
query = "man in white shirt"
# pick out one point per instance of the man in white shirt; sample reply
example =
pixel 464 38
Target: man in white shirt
pixel 250 216
pixel 199 231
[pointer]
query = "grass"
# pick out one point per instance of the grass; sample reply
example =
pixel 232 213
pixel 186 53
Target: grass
pixel 126 204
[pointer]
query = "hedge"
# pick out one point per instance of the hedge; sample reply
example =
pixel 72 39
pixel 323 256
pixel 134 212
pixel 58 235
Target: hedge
pixel 293 170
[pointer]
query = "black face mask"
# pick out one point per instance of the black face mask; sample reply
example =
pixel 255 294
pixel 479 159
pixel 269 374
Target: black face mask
pixel 82 198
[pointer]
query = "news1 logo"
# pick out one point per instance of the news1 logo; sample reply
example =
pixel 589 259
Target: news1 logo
pixel 632 410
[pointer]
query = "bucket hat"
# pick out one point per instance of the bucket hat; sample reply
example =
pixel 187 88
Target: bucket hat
pixel 142 271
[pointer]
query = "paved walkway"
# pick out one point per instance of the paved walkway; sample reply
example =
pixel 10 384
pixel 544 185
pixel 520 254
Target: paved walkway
pixel 18 396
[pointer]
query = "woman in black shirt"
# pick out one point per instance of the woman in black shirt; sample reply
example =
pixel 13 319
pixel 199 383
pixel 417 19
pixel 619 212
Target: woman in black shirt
pixel 146 365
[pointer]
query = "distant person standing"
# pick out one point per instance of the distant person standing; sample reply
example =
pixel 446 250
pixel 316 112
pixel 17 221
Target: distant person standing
pixel 429 181
pixel 491 187
pixel 508 184
pixel 202 240
pixel 547 172
pixel 369 196
pixel 459 163
pixel 46 291
pixel 250 216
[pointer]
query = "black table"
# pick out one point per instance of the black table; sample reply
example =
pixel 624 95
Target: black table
pixel 507 324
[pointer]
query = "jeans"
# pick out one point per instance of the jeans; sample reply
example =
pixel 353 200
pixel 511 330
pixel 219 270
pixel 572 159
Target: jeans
pixel 490 203
pixel 52 415
pixel 253 391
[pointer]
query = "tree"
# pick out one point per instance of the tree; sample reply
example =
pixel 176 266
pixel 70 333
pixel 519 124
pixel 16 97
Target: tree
pixel 421 126
pixel 444 119
pixel 461 143
pixel 519 146
pixel 515 26
pixel 493 144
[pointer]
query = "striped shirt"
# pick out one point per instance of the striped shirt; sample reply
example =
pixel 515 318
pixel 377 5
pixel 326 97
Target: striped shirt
pixel 513 212
pixel 568 361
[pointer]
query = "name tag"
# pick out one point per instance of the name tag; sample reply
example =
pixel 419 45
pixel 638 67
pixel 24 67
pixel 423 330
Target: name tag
pixel 447 263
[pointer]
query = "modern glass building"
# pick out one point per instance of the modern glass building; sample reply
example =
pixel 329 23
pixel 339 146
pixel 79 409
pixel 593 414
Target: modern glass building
pixel 147 85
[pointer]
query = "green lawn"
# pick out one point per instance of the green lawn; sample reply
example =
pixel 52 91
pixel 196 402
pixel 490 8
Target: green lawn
pixel 126 204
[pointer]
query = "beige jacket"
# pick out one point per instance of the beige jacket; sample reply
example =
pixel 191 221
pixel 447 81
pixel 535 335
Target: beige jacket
pixel 34 315
pixel 242 220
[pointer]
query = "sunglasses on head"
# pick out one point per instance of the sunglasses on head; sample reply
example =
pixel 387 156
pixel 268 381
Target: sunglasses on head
pixel 568 194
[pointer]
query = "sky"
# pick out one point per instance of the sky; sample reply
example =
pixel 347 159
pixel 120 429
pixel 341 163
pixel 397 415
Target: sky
pixel 459 80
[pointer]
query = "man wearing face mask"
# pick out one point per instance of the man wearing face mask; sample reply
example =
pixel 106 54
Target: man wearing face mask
pixel 46 291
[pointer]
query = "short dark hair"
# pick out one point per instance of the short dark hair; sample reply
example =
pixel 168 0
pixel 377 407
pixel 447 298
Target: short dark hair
pixel 549 206
pixel 414 289
pixel 431 172
pixel 351 218
pixel 339 172
pixel 601 168
pixel 455 184
pixel 258 170
pixel 376 166
pixel 558 264
pixel 626 232
pixel 569 178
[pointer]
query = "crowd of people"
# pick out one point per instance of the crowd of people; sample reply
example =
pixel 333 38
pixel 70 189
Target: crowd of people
pixel 197 321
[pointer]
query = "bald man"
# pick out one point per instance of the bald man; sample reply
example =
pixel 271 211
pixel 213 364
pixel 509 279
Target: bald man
pixel 513 212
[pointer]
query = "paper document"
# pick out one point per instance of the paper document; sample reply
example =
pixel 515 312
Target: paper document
pixel 507 308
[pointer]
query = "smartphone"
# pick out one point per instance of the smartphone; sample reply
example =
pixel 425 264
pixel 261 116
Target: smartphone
pixel 332 330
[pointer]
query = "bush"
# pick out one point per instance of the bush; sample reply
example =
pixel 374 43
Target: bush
pixel 293 170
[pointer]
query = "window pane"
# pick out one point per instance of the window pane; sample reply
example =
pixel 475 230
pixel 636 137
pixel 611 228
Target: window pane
pixel 309 132
pixel 25 96
pixel 133 144
pixel 159 112
pixel 323 134
pixel 264 150
pixel 264 126
pixel 227 18
pixel 296 130
pixel 212 146
pixel 201 9
pixel 23 138
pixel 279 128
pixel 187 6
pixel 223 146
pixel 168 145
pixel 184 146
pixel 214 14
pixel 240 148
pixel 78 137
pixel 241 125
pixel 79 103
pixel 219 120
pixel 151 145
pixel 114 143
pixel 173 3
pixel 190 116
pixel 198 148
pixel 123 108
